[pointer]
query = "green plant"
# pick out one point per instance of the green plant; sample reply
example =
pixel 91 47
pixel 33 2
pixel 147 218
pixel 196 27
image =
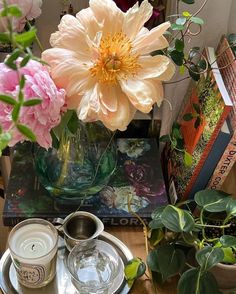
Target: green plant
pixel 175 231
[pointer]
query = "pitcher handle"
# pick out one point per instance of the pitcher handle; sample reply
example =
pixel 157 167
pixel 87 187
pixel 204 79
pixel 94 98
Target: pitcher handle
pixel 58 224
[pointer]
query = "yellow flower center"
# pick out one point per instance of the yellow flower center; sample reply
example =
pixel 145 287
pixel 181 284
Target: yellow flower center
pixel 116 60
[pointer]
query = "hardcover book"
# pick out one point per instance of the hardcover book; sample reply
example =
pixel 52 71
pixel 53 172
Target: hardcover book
pixel 227 63
pixel 137 181
pixel 210 97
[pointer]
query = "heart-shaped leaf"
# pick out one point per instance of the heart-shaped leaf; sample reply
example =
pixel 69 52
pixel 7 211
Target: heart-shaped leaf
pixel 177 220
pixel 208 256
pixel 212 200
pixel 166 260
pixel 228 241
pixel 192 281
pixel 231 207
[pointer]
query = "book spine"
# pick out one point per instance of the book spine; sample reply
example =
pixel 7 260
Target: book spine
pixel 213 158
pixel 224 165
pixel 206 152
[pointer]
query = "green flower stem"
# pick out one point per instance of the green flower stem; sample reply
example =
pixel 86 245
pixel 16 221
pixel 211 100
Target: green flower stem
pixel 36 39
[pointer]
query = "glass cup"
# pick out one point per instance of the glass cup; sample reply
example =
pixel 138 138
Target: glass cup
pixel 33 248
pixel 93 265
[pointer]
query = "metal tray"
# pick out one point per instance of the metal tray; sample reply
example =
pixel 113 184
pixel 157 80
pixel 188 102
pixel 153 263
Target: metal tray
pixel 62 283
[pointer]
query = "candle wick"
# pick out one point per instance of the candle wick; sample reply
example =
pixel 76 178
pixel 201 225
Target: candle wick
pixel 32 248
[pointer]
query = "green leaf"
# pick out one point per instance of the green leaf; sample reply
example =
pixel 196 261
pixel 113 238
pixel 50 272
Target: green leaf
pixel 11 10
pixel 207 257
pixel 10 61
pixel 4 38
pixel 8 99
pixel 155 224
pixel 156 214
pixel 22 82
pixel 179 45
pixel 182 69
pixel 188 1
pixel 26 132
pixel 227 241
pixel 73 123
pixel 176 27
pixel 32 102
pixel 177 57
pixel 197 122
pixel 186 14
pixel 177 220
pixel 16 112
pixel 26 38
pixel 194 72
pixel 197 108
pixel 167 260
pixel 212 200
pixel 188 159
pixel 165 138
pixel 5 138
pixel 229 255
pixel 231 207
pixel 202 64
pixel 134 268
pixel 193 281
pixel 25 60
pixel 181 21
pixel 188 116
pixel 197 20
pixel 156 236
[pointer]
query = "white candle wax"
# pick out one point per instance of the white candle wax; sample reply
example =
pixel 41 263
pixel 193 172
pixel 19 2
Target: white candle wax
pixel 32 241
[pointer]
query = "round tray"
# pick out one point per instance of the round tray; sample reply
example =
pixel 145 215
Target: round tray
pixel 62 282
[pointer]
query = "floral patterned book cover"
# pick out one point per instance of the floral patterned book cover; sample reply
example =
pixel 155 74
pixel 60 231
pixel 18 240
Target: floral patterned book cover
pixel 137 182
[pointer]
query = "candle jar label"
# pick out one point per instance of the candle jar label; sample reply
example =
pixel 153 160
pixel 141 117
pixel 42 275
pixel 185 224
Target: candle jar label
pixel 34 275
pixel 30 275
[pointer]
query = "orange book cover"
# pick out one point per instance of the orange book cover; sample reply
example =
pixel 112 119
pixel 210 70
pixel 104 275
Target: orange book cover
pixel 215 105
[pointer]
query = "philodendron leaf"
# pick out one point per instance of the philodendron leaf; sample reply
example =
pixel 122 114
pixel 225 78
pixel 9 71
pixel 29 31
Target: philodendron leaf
pixel 227 241
pixel 212 200
pixel 192 281
pixel 229 255
pixel 177 220
pixel 231 207
pixel 156 236
pixel 134 269
pixel 156 214
pixel 166 260
pixel 208 256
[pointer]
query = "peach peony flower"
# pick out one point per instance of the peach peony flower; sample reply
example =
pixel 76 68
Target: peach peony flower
pixel 102 59
pixel 41 118
pixel 30 9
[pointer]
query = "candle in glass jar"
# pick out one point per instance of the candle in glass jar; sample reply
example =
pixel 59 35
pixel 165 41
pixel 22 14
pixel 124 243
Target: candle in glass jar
pixel 33 247
pixel 32 241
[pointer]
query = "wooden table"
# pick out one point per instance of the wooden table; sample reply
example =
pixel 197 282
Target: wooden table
pixel 134 240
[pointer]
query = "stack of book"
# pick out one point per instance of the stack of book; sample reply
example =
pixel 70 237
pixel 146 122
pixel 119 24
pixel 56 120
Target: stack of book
pixel 211 142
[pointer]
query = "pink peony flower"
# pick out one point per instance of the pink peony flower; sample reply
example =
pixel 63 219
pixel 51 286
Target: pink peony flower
pixel 30 9
pixel 40 118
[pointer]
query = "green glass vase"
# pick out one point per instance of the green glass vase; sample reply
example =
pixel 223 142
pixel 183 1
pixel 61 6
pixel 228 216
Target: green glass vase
pixel 81 165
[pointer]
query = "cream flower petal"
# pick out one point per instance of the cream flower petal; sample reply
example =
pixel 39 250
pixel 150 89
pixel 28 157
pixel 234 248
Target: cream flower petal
pixel 88 22
pixel 136 17
pixel 89 105
pixel 141 94
pixel 74 40
pixel 159 92
pixel 107 14
pixel 146 43
pixel 108 97
pixel 66 70
pixel 122 117
pixel 159 67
